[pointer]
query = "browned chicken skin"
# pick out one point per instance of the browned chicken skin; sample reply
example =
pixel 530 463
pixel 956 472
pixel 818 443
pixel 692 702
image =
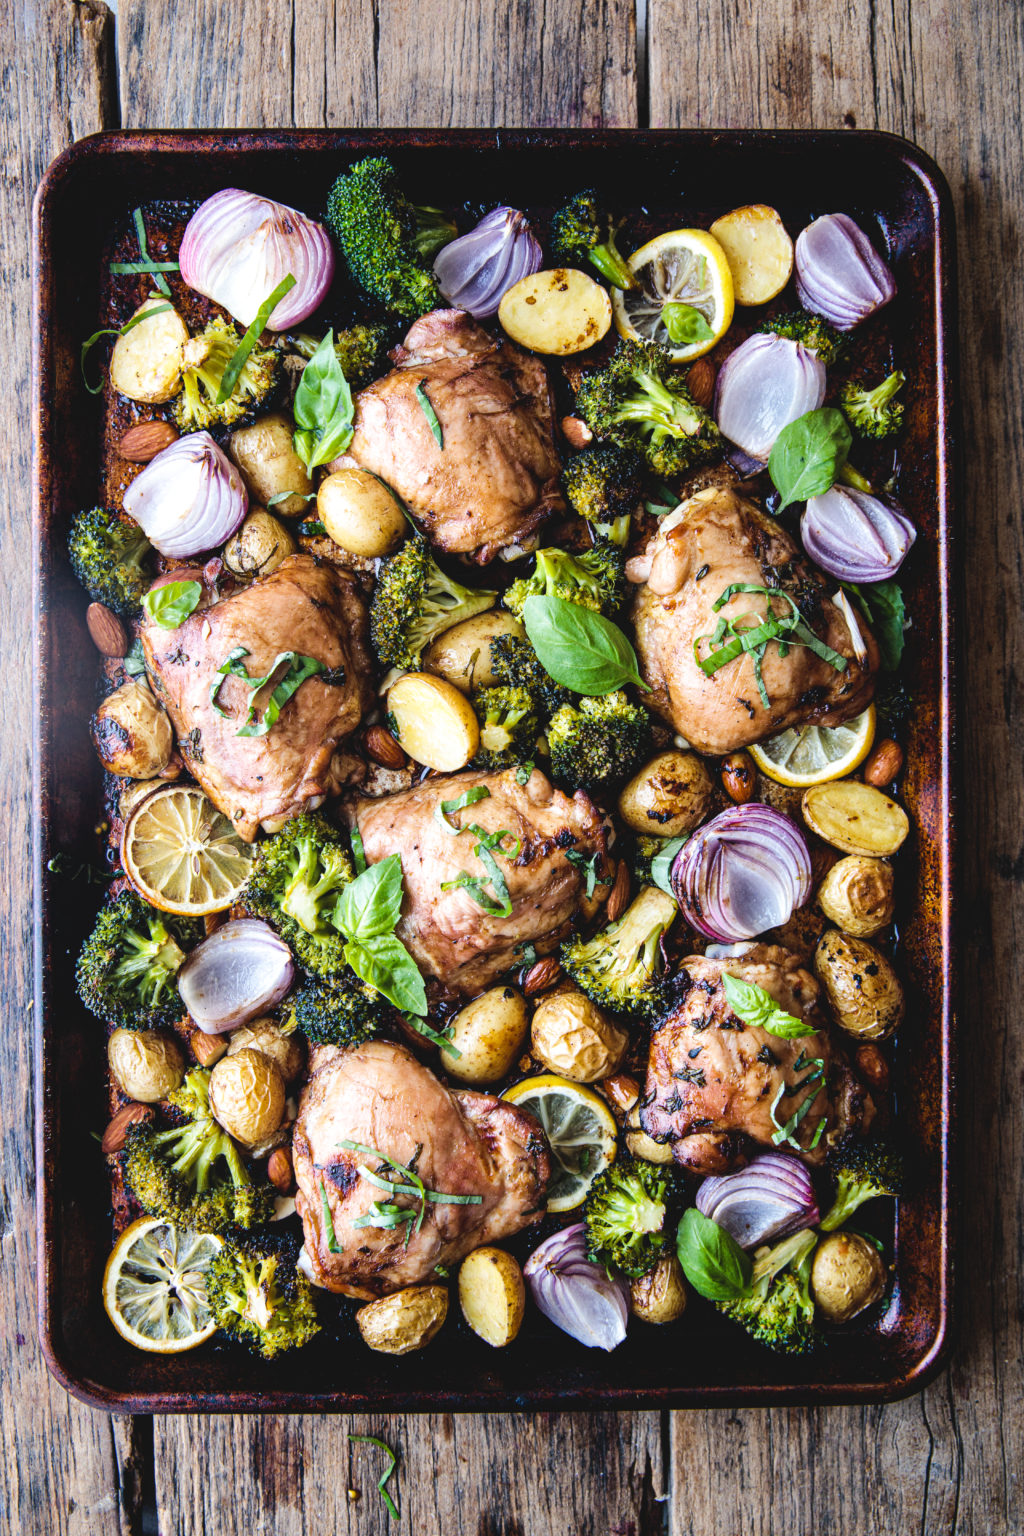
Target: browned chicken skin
pixel 495 476
pixel 712 1080
pixel 714 540
pixel 304 606
pixel 449 934
pixel 461 1143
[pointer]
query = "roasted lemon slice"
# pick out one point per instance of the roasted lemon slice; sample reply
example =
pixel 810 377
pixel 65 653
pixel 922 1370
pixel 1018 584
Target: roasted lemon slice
pixel 816 753
pixel 154 1286
pixel 684 294
pixel 581 1131
pixel 182 854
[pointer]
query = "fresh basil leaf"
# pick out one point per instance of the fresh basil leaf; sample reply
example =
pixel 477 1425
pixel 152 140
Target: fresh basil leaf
pixel 446 808
pixel 323 408
pixel 371 904
pixel 661 865
pixel 808 454
pixel 587 868
pixel 685 325
pixel 430 414
pixel 885 610
pixel 240 355
pixel 580 649
pixel 170 605
pixel 135 662
pixel 758 1008
pixel 424 1029
pixel 384 962
pixel 713 1262
pixel 287 496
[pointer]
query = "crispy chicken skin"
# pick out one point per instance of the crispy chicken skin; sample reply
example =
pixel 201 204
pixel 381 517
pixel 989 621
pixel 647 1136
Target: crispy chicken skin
pixel 450 935
pixel 712 541
pixel 712 1080
pixel 305 606
pixel 462 1143
pixel 495 478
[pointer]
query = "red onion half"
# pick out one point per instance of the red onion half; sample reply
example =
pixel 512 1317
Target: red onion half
pixel 854 536
pixel 237 247
pixel 236 974
pixel 576 1294
pixel 770 1198
pixel 477 270
pixel 743 872
pixel 189 498
pixel 764 385
pixel 839 274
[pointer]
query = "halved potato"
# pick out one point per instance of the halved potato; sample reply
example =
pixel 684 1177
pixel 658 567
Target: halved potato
pixel 265 454
pixel 146 361
pixel 758 250
pixel 433 722
pixel 492 1295
pixel 557 312
pixel 855 818
pixel 408 1320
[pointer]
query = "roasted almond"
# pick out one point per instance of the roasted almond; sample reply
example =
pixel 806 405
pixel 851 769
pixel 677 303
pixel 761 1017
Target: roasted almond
pixel 621 1091
pixel 279 1170
pixel 108 634
pixel 383 748
pixel 541 975
pixel 116 1132
pixel 872 1066
pixel 576 432
pixel 145 440
pixel 619 896
pixel 207 1048
pixel 700 381
pixel 883 764
pixel 739 777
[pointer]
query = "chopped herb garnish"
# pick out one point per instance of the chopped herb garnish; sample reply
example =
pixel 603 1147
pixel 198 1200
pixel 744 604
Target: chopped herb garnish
pixel 430 414
pixel 442 1039
pixel 382 1481
pixel 523 772
pixel 299 668
pixel 303 496
pixel 448 808
pixel 731 638
pixel 785 1133
pixel 240 355
pixel 147 264
pixel 333 1246
pixel 411 1185
pixel 358 851
pixel 135 661
pixel 588 868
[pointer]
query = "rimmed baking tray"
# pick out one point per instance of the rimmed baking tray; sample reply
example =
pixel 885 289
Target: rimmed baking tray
pixel 666 179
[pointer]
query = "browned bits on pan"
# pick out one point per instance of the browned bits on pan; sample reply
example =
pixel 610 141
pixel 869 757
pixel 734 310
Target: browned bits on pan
pixel 542 975
pixel 739 777
pixel 700 381
pixel 279 1170
pixel 106 631
pixel 116 1132
pixel 619 896
pixel 883 763
pixel 145 440
pixel 207 1048
pixel 383 748
pixel 576 432
pixel 873 1067
pixel 621 1091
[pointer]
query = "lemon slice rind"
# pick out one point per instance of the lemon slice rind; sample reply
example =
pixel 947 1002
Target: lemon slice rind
pixel 182 854
pixel 581 1131
pixel 154 1287
pixel 684 266
pixel 816 754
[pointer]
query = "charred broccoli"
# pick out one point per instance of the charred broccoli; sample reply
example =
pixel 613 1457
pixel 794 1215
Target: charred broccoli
pixel 865 1170
pixel 621 967
pixel 415 600
pixel 583 230
pixel 594 579
pixel 874 412
pixel 811 331
pixel 595 741
pixel 128 966
pixel 515 663
pixel 257 1295
pixel 205 359
pixel 778 1310
pixel 508 727
pixel 110 555
pixel 638 401
pixel 646 849
pixel 361 350
pixel 297 876
pixel 625 1216
pixel 335 1010
pixel 387 243
pixel 604 487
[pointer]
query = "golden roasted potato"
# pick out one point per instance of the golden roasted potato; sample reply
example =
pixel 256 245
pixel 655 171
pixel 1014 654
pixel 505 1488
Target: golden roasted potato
pixel 462 654
pixel 857 895
pixel 265 454
pixel 659 1297
pixel 259 546
pixel 641 1145
pixel 489 1033
pixel 668 797
pixel 572 1037
pixel 758 250
pixel 433 722
pixel 360 513
pixel 408 1320
pixel 848 1274
pixel 556 312
pixel 145 364
pixel 247 1096
pixel 855 817
pixel 492 1295
pixel 267 1036
pixel 863 991
pixel 147 1066
pixel 132 733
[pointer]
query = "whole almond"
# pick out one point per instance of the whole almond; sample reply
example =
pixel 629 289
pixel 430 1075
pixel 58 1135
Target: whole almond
pixel 145 440
pixel 207 1048
pixel 279 1170
pixel 872 1066
pixel 108 634
pixel 117 1131
pixel 619 896
pixel 739 777
pixel 621 1091
pixel 541 975
pixel 884 763
pixel 700 381
pixel 383 748
pixel 576 432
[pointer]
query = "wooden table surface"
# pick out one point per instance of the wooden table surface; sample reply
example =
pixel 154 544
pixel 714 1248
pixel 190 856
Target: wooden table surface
pixel 946 73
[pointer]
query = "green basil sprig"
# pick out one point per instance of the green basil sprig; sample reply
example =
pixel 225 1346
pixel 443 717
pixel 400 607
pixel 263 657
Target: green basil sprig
pixel 758 1008
pixel 712 1261
pixel 808 454
pixel 323 408
pixel 580 649
pixel 587 867
pixel 685 325
pixel 366 914
pixel 430 414
pixel 170 605
pixel 882 605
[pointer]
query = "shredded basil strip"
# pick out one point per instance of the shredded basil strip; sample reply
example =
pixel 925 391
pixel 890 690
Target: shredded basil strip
pixel 448 808
pixel 437 1038
pixel 587 867
pixel 430 414
pixel 784 1133
pixel 299 669
pixel 729 640
pixel 232 664
pixel 358 851
pixel 122 268
pixel 129 325
pixel 382 1481
pixel 333 1246
pixel 148 264
pixel 241 353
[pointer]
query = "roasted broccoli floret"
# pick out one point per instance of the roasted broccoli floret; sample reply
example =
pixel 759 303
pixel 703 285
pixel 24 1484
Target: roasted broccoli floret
pixel 297 876
pixel 625 1216
pixel 621 966
pixel 257 1295
pixel 177 1173
pixel 603 486
pixel 638 401
pixel 515 663
pixel 205 358
pixel 508 727
pixel 127 970
pixel 874 412
pixel 415 600
pixel 335 1010
pixel 111 557
pixel 596 741
pixel 386 242
pixel 361 350
pixel 812 331
pixel 645 849
pixel 583 230
pixel 594 579
pixel 864 1170
pixel 778 1311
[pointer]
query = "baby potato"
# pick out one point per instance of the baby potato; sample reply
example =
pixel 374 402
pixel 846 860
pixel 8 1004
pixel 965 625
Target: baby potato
pixel 462 654
pixel 758 250
pixel 670 796
pixel 145 364
pixel 556 312
pixel 132 734
pixel 147 1066
pixel 863 990
pixel 489 1033
pixel 266 1036
pixel 573 1037
pixel 408 1320
pixel 659 1297
pixel 847 1275
pixel 857 895
pixel 259 546
pixel 360 513
pixel 492 1295
pixel 265 454
pixel 247 1095
pixel 855 817
pixel 433 722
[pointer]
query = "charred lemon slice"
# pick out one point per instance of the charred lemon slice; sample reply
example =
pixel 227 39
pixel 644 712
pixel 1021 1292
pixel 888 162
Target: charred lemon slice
pixel 154 1286
pixel 580 1129
pixel 684 294
pixel 182 854
pixel 816 753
